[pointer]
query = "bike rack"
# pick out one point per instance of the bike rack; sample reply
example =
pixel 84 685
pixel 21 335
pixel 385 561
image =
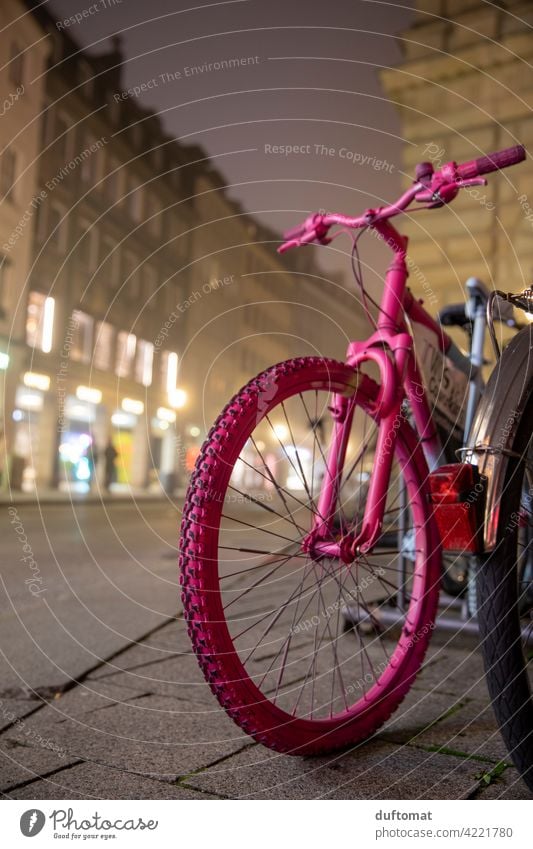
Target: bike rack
pixel 384 617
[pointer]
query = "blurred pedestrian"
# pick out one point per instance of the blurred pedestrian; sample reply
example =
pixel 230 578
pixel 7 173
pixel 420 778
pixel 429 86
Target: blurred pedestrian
pixel 110 455
pixel 92 455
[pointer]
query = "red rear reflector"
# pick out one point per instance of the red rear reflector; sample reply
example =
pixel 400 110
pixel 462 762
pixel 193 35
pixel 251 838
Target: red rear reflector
pixel 457 492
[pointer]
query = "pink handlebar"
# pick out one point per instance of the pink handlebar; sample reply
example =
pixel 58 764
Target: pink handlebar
pixel 492 162
pixel 436 189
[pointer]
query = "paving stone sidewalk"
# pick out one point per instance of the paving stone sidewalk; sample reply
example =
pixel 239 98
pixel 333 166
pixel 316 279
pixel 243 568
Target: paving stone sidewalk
pixel 144 724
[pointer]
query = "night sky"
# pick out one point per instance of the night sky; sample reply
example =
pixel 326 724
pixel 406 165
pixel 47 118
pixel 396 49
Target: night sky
pixel 309 78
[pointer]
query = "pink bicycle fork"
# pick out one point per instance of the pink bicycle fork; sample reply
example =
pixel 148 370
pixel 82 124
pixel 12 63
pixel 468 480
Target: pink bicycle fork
pixel 391 349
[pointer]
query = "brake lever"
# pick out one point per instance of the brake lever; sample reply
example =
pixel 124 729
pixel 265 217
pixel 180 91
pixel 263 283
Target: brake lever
pixel 473 181
pixel 440 195
pixel 306 239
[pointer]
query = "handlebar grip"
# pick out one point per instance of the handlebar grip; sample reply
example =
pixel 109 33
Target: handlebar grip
pixel 492 162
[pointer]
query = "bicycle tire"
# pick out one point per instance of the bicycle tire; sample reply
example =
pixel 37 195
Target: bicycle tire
pixel 200 565
pixel 499 595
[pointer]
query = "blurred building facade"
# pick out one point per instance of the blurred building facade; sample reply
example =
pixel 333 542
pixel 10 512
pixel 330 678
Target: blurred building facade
pixel 21 100
pixel 464 90
pixel 146 296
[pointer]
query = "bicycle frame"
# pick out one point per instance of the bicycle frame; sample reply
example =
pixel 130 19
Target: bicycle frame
pixel 391 349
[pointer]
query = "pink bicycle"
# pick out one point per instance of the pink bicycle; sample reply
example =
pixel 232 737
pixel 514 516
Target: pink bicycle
pixel 311 495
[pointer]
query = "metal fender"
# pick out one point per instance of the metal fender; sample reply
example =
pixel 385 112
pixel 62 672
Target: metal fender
pixel 496 422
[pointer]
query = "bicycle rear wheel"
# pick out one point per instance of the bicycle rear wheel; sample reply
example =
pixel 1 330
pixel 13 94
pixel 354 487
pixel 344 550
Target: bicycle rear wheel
pixel 265 618
pixel 505 605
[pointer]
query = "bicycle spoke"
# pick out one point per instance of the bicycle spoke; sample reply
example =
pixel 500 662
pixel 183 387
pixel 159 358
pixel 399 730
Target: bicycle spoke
pixel 304 481
pixel 277 614
pixel 248 497
pixel 286 638
pixel 284 592
pixel 257 582
pixel 254 527
pixel 278 488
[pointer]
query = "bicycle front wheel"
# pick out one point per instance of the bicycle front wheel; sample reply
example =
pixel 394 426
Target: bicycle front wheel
pixel 266 618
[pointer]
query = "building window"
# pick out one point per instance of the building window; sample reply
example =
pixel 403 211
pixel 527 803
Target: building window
pixel 82 337
pixel 154 217
pixel 131 274
pixel 4 282
pixel 143 362
pixel 151 281
pixel 136 134
pixel 110 258
pixel 113 107
pixel 88 245
pixel 89 165
pixel 86 78
pixel 8 174
pixel 62 143
pixel 47 117
pixel 40 321
pixel 16 65
pixel 113 180
pixel 126 345
pixel 57 227
pixel 158 155
pixel 103 345
pixel 133 198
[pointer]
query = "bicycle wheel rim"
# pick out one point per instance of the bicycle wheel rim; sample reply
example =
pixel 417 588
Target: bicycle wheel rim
pixel 403 662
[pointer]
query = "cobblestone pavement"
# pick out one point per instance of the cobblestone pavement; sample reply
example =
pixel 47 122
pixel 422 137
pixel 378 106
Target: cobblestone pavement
pixel 143 724
pixel 127 713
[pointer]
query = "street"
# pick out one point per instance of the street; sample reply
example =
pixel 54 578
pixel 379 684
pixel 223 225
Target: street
pixel 102 697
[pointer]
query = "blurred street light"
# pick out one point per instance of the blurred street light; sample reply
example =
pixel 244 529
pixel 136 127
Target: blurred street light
pixel 177 398
pixel 130 405
pixel 88 393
